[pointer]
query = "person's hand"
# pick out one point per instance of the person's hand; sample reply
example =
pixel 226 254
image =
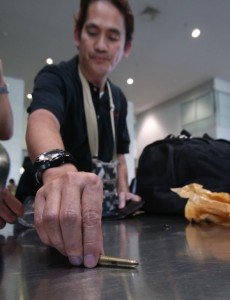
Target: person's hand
pixel 10 208
pixel 126 196
pixel 68 211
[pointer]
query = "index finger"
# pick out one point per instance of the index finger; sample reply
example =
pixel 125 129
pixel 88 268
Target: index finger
pixel 124 197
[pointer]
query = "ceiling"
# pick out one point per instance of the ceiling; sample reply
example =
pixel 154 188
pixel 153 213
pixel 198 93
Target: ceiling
pixel 165 60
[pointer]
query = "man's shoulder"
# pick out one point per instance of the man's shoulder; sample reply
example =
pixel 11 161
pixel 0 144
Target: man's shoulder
pixel 64 69
pixel 68 66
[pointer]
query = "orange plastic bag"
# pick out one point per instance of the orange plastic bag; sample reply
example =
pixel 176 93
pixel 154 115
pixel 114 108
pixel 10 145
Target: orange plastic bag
pixel 204 205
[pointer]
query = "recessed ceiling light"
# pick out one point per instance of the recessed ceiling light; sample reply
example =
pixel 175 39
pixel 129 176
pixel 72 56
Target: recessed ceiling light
pixel 49 61
pixel 21 171
pixel 130 81
pixel 196 33
pixel 29 96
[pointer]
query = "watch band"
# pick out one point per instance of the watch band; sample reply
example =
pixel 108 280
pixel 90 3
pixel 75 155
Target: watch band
pixel 51 159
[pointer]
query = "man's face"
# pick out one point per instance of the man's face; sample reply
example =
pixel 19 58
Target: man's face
pixel 102 41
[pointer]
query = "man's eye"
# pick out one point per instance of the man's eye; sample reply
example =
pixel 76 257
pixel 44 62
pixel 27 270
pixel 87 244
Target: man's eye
pixel 92 33
pixel 114 37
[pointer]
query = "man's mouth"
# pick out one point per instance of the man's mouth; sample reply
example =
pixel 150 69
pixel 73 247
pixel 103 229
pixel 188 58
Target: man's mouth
pixel 100 58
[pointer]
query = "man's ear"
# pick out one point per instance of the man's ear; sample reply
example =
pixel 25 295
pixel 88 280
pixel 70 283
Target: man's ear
pixel 128 48
pixel 76 37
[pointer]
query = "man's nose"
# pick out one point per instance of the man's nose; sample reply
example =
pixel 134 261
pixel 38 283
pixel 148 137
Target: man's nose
pixel 101 43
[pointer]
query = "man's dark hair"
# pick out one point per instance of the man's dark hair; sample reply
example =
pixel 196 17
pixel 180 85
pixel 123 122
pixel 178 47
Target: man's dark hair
pixel 122 5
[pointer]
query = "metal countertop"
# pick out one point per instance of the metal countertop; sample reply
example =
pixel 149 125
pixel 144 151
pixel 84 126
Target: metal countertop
pixel 177 261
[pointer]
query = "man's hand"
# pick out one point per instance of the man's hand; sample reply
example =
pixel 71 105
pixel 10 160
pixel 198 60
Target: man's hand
pixel 123 188
pixel 10 208
pixel 68 211
pixel 126 196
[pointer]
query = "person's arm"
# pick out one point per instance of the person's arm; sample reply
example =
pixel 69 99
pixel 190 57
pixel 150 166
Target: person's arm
pixel 122 174
pixel 68 207
pixel 43 133
pixel 122 185
pixel 6 115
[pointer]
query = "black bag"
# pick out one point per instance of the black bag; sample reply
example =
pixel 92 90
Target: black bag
pixel 177 161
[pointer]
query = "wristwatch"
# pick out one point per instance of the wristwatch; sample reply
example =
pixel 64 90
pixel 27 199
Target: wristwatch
pixel 51 159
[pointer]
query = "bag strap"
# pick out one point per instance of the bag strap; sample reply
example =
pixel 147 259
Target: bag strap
pixel 91 120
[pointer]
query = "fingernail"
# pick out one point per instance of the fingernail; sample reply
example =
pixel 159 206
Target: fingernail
pixel 75 260
pixel 90 261
pixel 121 205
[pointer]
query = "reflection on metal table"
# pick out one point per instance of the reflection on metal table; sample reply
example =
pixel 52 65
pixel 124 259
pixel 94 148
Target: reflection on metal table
pixel 177 261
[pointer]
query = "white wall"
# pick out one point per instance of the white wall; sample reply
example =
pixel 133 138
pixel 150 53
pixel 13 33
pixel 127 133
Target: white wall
pixel 130 157
pixel 15 144
pixel 164 119
pixel 157 124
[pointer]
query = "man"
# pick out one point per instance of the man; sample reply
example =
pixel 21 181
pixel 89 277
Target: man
pixel 68 206
pixel 10 207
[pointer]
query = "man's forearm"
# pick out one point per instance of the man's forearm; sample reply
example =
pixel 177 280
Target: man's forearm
pixel 6 118
pixel 43 133
pixel 122 184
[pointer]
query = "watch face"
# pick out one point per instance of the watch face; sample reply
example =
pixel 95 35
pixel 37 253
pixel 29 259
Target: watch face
pixel 52 159
pixel 53 156
pixel 50 155
pixel 41 158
